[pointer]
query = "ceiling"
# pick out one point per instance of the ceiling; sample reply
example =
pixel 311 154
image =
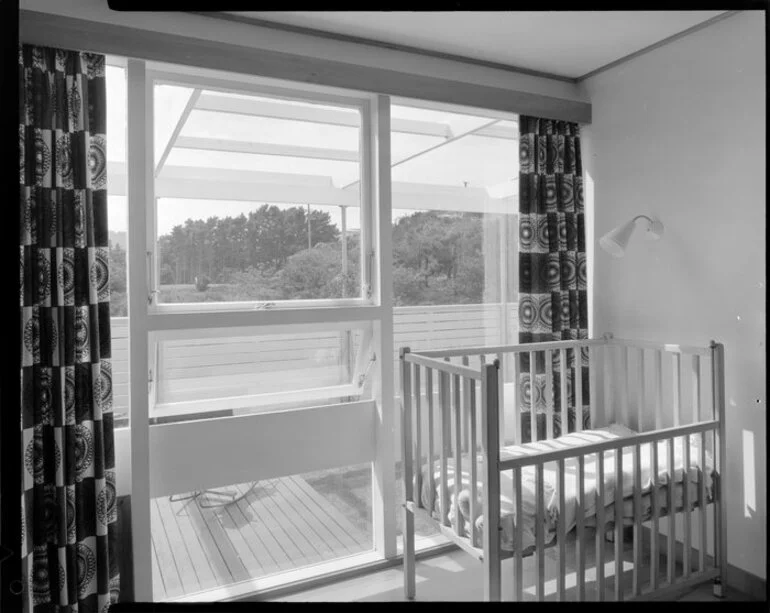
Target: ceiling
pixel 568 44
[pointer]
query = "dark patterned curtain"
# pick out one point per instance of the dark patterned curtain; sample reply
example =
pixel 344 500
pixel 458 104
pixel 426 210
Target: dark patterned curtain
pixel 552 261
pixel 68 498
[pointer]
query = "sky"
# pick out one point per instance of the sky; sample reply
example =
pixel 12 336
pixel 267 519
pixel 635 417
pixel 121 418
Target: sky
pixel 475 161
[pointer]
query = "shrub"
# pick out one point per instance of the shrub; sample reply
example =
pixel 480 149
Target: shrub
pixel 202 283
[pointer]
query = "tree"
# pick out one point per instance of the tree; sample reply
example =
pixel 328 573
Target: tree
pixel 317 273
pixel 118 286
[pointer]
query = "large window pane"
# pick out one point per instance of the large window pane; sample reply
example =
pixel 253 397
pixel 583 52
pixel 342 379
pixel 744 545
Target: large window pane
pixel 214 538
pixel 454 246
pixel 257 198
pixel 454 242
pixel 216 372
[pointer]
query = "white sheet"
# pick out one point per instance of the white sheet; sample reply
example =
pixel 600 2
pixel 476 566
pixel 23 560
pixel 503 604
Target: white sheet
pixel 551 493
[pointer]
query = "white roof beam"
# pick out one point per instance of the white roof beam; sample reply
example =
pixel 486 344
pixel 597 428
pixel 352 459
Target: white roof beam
pixel 503 132
pixel 177 129
pixel 236 146
pixel 257 187
pixel 277 110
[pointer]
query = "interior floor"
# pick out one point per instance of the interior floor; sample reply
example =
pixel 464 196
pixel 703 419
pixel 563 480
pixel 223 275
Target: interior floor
pixel 456 576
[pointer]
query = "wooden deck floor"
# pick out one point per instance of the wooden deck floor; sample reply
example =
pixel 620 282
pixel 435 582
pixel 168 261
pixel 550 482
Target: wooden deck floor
pixel 281 524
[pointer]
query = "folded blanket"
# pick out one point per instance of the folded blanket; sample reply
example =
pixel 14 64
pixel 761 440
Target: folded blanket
pixel 550 485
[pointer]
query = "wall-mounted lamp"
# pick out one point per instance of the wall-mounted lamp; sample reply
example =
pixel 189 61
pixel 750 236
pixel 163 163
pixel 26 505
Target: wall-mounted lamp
pixel 616 240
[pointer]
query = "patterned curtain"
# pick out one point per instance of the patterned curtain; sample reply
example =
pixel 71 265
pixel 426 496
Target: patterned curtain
pixel 68 498
pixel 552 262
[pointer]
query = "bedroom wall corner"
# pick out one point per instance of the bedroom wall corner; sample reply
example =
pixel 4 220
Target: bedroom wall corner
pixel 679 133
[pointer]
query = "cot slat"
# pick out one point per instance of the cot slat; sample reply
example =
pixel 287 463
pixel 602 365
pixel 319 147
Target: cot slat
pixel 443 401
pixel 593 391
pixel 563 391
pixel 658 390
pixel 671 516
pixel 600 527
pixel 431 432
pixel 516 402
pixel 518 567
pixel 560 579
pixel 548 357
pixel 466 409
pixel 406 425
pixel 695 388
pixel 624 380
pixel 580 544
pixel 473 458
pixel 702 506
pixel 608 408
pixel 640 391
pixel 578 387
pixel 637 587
pixel 676 359
pixel 532 388
pixel 654 552
pixel 501 396
pixel 687 561
pixel 540 533
pixel 619 524
pixel 458 483
pixel 418 432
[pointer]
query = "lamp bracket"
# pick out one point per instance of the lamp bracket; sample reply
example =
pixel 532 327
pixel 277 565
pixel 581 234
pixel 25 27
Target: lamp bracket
pixel 654 227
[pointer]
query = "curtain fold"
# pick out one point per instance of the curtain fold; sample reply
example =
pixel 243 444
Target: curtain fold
pixel 553 303
pixel 68 498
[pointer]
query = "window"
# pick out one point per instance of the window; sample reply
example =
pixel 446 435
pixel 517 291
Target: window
pixel 262 336
pixel 211 539
pixel 454 238
pixel 219 372
pixel 257 199
pixel 454 231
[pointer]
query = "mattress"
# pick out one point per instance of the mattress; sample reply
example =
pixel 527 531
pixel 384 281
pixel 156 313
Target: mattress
pixel 666 474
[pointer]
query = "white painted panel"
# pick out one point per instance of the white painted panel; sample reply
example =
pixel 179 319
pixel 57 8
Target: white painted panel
pixel 215 452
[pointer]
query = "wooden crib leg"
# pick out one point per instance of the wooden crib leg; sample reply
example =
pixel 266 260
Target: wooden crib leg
pixel 409 561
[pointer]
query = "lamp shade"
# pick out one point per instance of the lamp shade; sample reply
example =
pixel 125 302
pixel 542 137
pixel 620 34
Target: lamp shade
pixel 616 240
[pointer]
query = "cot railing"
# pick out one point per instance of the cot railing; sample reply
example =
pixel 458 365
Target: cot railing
pixel 443 402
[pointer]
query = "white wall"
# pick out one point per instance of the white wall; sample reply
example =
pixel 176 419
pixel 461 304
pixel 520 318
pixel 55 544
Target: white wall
pixel 680 133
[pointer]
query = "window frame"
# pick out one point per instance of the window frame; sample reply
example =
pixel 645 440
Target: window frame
pixel 151 321
pixel 251 85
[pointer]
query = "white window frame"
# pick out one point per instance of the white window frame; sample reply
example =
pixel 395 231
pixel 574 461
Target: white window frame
pixel 151 321
pixel 268 90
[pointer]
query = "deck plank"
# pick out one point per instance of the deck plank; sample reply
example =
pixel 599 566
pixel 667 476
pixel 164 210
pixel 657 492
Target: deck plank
pixel 232 533
pixel 219 569
pixel 172 582
pixel 315 518
pixel 158 589
pixel 199 556
pixel 290 511
pixel 309 552
pixel 350 535
pixel 217 539
pixel 291 553
pixel 179 547
pixel 275 558
pixel 234 519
